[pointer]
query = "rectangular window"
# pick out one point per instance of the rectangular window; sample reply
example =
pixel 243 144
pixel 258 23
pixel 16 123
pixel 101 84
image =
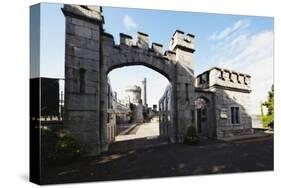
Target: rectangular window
pixel 235 119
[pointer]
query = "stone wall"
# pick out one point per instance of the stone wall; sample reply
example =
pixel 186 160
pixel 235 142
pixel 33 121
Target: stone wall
pixel 82 65
pixel 225 99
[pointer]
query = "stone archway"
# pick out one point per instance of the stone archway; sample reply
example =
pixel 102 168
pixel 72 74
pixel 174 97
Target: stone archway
pixel 90 53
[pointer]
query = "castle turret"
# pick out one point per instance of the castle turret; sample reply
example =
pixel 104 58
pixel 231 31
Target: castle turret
pixel 134 94
pixel 183 46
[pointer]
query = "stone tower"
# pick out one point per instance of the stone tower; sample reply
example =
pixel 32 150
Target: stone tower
pixel 134 94
pixel 183 47
pixel 144 102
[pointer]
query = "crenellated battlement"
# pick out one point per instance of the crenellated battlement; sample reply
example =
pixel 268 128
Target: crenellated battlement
pixel 142 42
pixel 220 77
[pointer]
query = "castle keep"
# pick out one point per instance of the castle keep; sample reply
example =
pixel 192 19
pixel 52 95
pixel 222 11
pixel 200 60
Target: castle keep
pixel 216 101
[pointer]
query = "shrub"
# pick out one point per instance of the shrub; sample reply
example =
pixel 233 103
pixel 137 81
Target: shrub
pixel 66 149
pixel 267 120
pixel 191 136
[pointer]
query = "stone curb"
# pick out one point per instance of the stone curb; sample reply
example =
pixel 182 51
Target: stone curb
pixel 129 129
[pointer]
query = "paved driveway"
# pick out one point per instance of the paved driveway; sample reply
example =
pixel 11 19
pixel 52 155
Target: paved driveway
pixel 143 130
pixel 209 157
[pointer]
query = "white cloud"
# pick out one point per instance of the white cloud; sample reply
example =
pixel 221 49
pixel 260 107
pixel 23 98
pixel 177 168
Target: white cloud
pixel 129 23
pixel 228 31
pixel 249 50
pixel 252 54
pixel 262 79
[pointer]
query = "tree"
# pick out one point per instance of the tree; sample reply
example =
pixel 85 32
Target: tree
pixel 269 104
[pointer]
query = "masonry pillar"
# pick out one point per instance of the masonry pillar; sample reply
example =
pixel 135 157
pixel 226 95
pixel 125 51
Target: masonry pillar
pixel 82 66
pixel 183 46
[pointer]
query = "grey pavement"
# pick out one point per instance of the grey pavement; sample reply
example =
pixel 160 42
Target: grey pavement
pixel 145 130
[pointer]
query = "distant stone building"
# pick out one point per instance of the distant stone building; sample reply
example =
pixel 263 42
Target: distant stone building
pixel 133 94
pixel 137 96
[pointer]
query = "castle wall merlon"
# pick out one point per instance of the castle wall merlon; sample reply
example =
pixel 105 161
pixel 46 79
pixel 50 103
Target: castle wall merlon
pixel 178 34
pixel 142 40
pixel 108 39
pixel 170 55
pixel 190 38
pixel 158 48
pixel 126 39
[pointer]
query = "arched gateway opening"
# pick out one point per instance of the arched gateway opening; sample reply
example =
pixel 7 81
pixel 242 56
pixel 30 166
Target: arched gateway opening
pixel 91 54
pixel 126 55
pixel 133 112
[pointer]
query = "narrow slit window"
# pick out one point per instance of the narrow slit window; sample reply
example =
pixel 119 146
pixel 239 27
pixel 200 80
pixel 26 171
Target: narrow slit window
pixel 82 80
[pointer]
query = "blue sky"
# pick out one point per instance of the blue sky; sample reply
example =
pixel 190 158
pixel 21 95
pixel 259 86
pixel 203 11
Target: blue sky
pixel 243 43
